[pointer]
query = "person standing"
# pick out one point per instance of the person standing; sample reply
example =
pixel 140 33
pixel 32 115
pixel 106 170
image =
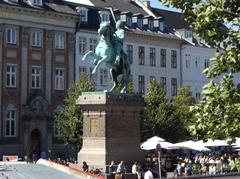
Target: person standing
pixel 85 166
pixel 148 174
pixel 136 170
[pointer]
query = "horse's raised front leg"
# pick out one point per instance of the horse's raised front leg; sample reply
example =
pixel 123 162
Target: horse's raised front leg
pixel 103 59
pixel 91 54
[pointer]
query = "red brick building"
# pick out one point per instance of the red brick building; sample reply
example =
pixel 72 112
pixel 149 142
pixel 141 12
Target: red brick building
pixel 36 69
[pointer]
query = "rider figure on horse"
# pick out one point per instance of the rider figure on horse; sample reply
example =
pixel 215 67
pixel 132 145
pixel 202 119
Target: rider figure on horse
pixel 118 41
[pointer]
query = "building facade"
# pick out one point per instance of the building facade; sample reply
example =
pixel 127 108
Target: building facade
pixel 36 69
pixel 153 50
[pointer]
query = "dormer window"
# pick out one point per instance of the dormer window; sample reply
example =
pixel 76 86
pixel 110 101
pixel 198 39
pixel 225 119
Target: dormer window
pixel 12 0
pixel 161 26
pixel 187 34
pixel 83 13
pixel 129 21
pixel 37 2
pixel 140 22
pixel 150 24
pixel 105 16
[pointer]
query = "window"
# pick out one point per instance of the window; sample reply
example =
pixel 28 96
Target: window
pixel 152 56
pixel 197 94
pixel 152 78
pixel 174 86
pixel 36 39
pixel 163 82
pixel 187 34
pixel 141 84
pixel 161 26
pixel 11 73
pixel 10 122
pixel 141 55
pixel 197 62
pixel 129 21
pixel 36 77
pixel 206 63
pixel 139 22
pixel 59 79
pixel 188 61
pixel 92 44
pixel 117 17
pixel 82 71
pixel 59 40
pixel 105 17
pixel 11 36
pixel 103 76
pixel 163 58
pixel 93 77
pixel 130 53
pixel 37 2
pixel 83 13
pixel 174 59
pixel 150 24
pixel 82 45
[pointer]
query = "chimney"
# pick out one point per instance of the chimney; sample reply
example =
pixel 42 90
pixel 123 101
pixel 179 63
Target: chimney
pixel 146 3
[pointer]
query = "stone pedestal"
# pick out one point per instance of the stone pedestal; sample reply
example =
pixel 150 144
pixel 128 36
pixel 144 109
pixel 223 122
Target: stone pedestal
pixel 111 128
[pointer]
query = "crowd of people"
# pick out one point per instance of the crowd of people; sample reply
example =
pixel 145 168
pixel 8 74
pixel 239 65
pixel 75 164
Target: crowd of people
pixel 210 164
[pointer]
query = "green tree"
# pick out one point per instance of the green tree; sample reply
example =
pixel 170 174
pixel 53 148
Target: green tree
pixel 158 117
pixel 70 118
pixel 181 104
pixel 130 87
pixel 218 23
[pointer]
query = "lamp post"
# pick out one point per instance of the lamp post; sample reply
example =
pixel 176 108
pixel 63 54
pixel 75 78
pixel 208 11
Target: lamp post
pixel 158 148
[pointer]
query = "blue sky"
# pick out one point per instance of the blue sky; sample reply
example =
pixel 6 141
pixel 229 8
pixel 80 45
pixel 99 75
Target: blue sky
pixel 158 4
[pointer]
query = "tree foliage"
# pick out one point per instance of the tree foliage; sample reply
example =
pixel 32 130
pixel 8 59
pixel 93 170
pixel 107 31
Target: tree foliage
pixel 181 105
pixel 70 118
pixel 218 23
pixel 160 117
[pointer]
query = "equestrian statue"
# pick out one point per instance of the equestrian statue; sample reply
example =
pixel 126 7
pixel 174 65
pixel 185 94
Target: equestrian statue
pixel 110 51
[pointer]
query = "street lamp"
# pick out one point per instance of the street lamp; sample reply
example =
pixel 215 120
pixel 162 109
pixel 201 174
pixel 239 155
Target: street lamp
pixel 158 148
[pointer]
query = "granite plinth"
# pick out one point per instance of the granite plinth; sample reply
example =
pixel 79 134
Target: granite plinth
pixel 111 128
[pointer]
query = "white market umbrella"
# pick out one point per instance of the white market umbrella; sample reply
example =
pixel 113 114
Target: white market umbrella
pixel 214 143
pixel 191 145
pixel 156 139
pixel 151 145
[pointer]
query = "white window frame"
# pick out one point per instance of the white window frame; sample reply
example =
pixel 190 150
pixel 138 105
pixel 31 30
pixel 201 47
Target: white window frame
pixel 59 80
pixel 11 76
pixel 129 50
pixel 152 56
pixel 36 39
pixel 92 44
pixel 163 58
pixel 83 14
pixel 105 16
pixel 174 87
pixel 141 55
pixel 59 40
pixel 173 59
pixel 37 2
pixel 82 45
pixel 11 35
pixel 141 84
pixel 188 61
pixel 163 82
pixel 103 77
pixel 36 77
pixel 11 119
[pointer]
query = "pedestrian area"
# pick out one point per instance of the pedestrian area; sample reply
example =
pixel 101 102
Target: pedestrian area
pixel 21 170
